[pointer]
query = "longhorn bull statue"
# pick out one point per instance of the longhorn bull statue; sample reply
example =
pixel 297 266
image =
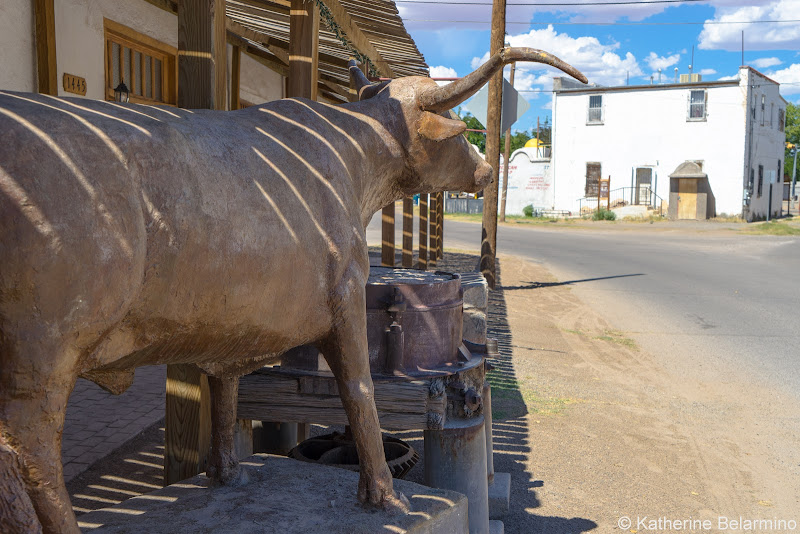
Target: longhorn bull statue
pixel 135 235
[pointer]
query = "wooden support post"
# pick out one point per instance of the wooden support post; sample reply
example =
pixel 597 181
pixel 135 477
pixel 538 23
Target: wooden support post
pixel 201 85
pixel 408 232
pixel 387 236
pixel 236 76
pixel 440 228
pixel 201 54
pixel 489 232
pixel 45 23
pixel 187 425
pixel 423 232
pixel 303 49
pixel 433 218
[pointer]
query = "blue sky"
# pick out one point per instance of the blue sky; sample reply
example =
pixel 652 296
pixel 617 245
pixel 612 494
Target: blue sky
pixel 608 54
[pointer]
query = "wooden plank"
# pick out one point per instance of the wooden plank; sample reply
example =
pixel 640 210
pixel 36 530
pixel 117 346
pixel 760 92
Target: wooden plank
pixel 236 76
pixel 166 5
pixel 387 235
pixel 303 49
pixel 45 25
pixel 408 232
pixel 401 405
pixel 423 232
pixel 187 424
pixel 201 54
pixel 357 38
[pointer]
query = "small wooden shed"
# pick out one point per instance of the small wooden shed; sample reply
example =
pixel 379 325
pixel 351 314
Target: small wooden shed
pixel 690 195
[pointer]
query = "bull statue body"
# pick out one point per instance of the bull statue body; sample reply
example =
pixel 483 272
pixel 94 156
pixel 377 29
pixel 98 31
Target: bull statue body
pixel 136 235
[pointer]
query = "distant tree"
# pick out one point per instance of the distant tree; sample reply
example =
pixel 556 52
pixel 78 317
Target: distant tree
pixel 792 129
pixel 476 138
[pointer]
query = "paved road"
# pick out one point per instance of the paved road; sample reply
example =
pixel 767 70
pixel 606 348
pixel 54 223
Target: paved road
pixel 714 305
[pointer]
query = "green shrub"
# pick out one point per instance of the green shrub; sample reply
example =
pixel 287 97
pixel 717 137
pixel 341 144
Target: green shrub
pixel 603 214
pixel 528 210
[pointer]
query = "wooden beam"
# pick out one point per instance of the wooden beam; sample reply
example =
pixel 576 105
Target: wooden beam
pixel 440 228
pixel 276 46
pixel 387 236
pixel 47 72
pixel 265 58
pixel 201 54
pixel 201 85
pixel 335 87
pixel 236 76
pixel 303 49
pixel 423 232
pixel 358 38
pixel 187 425
pixel 408 232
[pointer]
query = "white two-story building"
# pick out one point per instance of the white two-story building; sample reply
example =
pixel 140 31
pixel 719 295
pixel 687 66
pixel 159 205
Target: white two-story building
pixel 727 137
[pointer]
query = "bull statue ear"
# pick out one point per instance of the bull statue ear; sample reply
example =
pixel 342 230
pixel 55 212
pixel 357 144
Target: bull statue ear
pixel 437 128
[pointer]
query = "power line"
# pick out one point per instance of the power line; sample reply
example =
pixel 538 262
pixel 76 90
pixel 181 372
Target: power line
pixel 537 4
pixel 711 22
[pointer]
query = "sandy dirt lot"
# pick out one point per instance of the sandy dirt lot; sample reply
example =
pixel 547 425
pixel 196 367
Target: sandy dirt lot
pixel 594 431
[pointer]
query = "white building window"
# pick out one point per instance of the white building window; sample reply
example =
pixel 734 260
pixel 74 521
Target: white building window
pixel 781 119
pixel 771 114
pixel 763 109
pixel 697 105
pixel 595 114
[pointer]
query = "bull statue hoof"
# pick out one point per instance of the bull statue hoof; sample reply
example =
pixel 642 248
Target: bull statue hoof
pixel 396 504
pixel 231 476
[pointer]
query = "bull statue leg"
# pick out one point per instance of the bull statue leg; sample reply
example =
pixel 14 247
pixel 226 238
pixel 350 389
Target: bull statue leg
pixel 223 463
pixel 345 350
pixel 35 389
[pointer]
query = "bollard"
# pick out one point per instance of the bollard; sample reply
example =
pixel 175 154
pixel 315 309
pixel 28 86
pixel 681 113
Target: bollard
pixel 455 459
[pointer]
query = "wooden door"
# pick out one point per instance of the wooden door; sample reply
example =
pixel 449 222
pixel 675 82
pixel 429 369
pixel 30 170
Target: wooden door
pixel 687 199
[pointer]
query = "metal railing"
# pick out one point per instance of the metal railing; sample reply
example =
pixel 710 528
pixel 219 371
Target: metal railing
pixel 621 197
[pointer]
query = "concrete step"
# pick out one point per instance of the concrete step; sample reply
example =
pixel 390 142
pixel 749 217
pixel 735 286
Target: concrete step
pixel 496 527
pixel 282 496
pixel 499 495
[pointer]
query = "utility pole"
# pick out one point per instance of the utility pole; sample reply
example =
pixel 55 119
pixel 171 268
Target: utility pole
pixel 495 103
pixel 794 177
pixel 506 156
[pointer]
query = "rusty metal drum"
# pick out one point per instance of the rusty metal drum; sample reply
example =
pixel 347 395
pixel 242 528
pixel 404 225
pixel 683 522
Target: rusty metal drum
pixel 413 321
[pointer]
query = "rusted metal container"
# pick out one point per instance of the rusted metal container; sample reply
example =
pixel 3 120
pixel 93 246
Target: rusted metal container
pixel 413 321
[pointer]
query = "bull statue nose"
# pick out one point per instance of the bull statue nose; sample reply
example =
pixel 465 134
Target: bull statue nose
pixel 483 176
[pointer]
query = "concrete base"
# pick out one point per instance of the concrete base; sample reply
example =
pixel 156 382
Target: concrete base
pixel 499 495
pixel 283 496
pixel 496 527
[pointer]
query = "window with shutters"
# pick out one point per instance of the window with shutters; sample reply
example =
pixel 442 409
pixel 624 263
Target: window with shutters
pixel 592 180
pixel 697 105
pixel 595 112
pixel 147 66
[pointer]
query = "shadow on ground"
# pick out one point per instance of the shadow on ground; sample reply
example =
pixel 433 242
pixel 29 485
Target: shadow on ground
pixel 137 467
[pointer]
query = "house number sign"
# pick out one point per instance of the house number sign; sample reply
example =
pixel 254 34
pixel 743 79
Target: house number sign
pixel 74 84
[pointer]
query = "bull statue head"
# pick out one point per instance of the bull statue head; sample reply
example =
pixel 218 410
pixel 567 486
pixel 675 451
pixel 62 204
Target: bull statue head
pixel 425 108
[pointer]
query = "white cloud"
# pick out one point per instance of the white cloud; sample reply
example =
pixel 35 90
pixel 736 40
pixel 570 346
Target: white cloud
pixel 440 71
pixel 656 62
pixel 765 62
pixel 599 62
pixel 768 36
pixel 789 75
pixel 707 72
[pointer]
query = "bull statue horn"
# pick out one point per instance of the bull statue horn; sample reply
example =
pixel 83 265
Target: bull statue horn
pixel 439 99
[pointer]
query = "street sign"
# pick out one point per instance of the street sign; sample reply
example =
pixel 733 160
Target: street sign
pixel 514 105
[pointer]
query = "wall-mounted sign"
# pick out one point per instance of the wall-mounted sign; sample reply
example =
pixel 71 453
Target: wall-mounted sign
pixel 74 84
